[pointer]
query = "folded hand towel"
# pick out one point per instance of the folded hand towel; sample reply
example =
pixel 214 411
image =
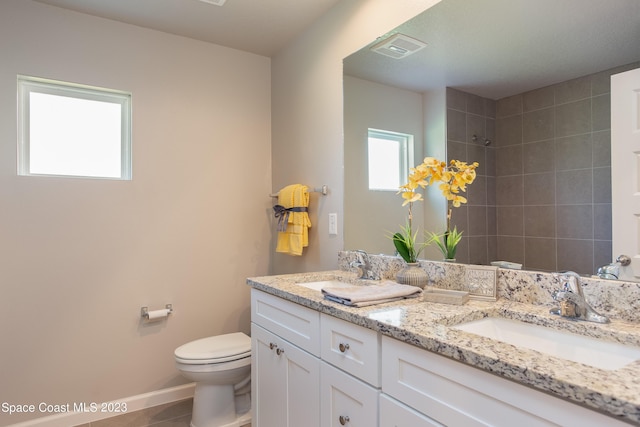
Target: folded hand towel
pixel 293 236
pixel 360 296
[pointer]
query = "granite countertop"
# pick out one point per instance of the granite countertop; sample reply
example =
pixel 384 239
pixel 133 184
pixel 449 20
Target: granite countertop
pixel 428 325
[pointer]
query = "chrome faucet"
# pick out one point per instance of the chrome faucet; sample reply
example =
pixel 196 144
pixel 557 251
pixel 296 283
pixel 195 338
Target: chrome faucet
pixel 612 271
pixel 609 271
pixel 572 301
pixel 364 264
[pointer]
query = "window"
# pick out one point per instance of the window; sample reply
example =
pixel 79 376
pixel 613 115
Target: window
pixel 73 130
pixel 390 154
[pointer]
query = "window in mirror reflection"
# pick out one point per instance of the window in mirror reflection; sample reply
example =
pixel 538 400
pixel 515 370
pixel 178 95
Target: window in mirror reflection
pixel 390 154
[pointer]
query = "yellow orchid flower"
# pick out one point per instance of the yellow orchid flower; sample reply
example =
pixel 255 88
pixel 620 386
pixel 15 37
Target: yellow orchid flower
pixel 410 197
pixel 453 178
pixel 457 201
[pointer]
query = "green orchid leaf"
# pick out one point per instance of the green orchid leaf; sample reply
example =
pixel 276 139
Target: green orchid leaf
pixel 401 246
pixel 447 242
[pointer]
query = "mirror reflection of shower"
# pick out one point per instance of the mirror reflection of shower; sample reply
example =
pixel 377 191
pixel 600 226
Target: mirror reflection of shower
pixel 460 64
pixel 486 141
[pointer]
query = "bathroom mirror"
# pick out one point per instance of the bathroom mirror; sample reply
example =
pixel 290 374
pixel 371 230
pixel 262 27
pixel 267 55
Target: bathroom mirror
pixel 539 69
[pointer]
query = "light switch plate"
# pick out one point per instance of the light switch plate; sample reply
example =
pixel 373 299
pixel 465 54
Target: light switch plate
pixel 333 224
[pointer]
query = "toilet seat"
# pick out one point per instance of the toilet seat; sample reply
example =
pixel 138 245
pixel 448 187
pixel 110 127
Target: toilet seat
pixel 216 349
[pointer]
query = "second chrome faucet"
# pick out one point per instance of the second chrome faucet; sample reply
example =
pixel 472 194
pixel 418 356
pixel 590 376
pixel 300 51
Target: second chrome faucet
pixel 572 301
pixel 364 264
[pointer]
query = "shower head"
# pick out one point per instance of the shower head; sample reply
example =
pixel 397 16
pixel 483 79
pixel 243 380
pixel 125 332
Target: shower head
pixel 486 140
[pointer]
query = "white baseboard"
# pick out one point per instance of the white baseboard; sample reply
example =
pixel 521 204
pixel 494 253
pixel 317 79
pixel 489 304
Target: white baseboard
pixel 133 403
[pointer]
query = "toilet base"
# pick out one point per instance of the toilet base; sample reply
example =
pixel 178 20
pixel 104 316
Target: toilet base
pixel 215 406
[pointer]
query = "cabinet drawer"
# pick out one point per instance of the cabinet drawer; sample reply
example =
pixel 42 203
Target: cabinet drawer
pixel 352 348
pixel 395 414
pixel 455 394
pixel 345 400
pixel 293 322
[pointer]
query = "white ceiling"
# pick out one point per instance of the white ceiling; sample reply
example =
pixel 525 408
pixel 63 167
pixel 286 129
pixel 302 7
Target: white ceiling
pixel 493 48
pixel 497 48
pixel 258 26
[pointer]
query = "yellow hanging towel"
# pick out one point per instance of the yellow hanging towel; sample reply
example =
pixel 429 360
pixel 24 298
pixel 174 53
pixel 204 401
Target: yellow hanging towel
pixel 293 219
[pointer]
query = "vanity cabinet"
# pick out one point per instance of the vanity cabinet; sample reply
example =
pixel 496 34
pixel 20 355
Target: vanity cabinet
pixel 285 367
pixel 315 370
pixel 453 394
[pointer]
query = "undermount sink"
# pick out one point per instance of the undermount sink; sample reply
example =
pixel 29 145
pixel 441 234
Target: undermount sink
pixel 323 283
pixel 564 345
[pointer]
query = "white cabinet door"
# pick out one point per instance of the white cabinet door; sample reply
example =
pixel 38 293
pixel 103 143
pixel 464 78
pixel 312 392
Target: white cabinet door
pixel 395 414
pixel 302 373
pixel 345 400
pixel 285 382
pixel 625 172
pixel 268 389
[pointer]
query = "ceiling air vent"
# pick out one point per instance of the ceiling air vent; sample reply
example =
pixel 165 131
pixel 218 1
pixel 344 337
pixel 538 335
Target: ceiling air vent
pixel 398 46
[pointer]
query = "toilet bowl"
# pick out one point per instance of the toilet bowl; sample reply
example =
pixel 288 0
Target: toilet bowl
pixel 221 368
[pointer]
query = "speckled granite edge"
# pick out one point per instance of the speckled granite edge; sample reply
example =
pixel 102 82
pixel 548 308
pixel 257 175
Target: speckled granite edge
pixel 428 325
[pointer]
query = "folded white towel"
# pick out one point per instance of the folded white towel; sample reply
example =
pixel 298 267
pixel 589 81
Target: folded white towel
pixel 361 296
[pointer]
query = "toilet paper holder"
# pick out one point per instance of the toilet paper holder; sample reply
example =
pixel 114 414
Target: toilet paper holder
pixel 144 311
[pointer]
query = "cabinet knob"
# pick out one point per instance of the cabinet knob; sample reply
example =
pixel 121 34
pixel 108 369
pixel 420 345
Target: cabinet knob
pixel 272 346
pixel 279 351
pixel 343 348
pixel 344 419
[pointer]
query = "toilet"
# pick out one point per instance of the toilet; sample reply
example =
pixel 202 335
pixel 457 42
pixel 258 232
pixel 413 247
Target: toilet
pixel 221 368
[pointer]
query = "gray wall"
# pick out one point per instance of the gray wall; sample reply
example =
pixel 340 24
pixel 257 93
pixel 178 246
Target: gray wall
pixel 307 115
pixel 371 216
pixel 79 257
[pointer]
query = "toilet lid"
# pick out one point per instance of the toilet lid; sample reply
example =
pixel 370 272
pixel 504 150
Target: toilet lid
pixel 220 348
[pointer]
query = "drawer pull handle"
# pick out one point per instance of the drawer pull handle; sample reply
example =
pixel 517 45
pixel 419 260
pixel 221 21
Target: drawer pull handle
pixel 343 348
pixel 272 346
pixel 344 419
pixel 279 351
